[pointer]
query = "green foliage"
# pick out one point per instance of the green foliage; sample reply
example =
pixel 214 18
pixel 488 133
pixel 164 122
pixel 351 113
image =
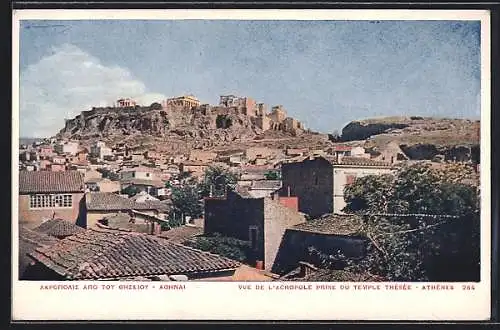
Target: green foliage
pixel 155 106
pixel 216 179
pixel 131 190
pixel 417 248
pixel 186 201
pixel 272 175
pixel 225 246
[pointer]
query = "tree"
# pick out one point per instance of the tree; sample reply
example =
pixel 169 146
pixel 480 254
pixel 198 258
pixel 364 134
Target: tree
pixel 186 202
pixel 155 106
pixel 442 245
pixel 215 181
pixel 131 190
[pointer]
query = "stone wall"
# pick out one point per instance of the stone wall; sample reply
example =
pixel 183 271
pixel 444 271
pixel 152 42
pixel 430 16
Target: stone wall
pixel 277 219
pixel 232 216
pixel 312 182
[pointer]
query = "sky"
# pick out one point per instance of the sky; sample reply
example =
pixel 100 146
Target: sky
pixel 324 73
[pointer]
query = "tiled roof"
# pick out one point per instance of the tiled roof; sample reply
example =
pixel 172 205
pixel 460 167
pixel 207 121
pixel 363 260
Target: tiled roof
pixel 242 192
pixel 362 162
pixel 113 254
pixel 50 182
pixel 58 228
pixel 143 182
pixel 266 184
pixel 182 233
pixel 341 148
pixel 104 201
pixel 332 224
pixel 349 160
pixel 29 240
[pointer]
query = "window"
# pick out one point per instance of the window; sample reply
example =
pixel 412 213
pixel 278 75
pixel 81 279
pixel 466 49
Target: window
pixel 253 236
pixel 50 201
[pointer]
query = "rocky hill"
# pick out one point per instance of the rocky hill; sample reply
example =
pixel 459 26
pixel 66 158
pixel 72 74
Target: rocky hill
pixel 418 137
pixel 174 131
pixel 179 131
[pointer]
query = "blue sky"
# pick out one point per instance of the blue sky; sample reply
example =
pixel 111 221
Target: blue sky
pixel 325 73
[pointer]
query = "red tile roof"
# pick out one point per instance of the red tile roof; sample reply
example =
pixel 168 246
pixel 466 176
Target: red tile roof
pixel 29 240
pixel 50 182
pixel 104 201
pixel 341 148
pixel 113 254
pixel 332 224
pixel 360 161
pixel 349 160
pixel 182 233
pixel 58 228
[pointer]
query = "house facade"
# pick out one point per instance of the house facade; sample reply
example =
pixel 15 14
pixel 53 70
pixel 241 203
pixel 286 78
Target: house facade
pixel 100 205
pixel 261 221
pixel 318 182
pixel 46 194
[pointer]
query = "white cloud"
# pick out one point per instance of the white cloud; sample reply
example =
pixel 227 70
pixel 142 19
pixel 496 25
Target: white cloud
pixel 68 81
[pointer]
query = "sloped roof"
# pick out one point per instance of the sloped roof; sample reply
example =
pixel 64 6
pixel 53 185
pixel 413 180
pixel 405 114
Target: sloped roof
pixel 182 233
pixel 29 240
pixel 143 182
pixel 113 254
pixel 362 162
pixel 266 184
pixel 332 224
pixel 58 228
pixel 104 201
pixel 346 160
pixel 50 182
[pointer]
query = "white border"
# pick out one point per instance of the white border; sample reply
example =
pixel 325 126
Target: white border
pixel 204 301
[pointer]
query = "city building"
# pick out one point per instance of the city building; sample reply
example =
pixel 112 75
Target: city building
pixel 45 195
pixel 69 147
pixel 100 150
pixel 261 221
pixel 100 205
pixel 319 182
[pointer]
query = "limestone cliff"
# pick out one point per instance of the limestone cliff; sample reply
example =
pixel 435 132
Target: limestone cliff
pixel 419 137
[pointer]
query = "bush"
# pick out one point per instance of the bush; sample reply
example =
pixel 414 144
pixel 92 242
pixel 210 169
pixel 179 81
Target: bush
pixel 228 247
